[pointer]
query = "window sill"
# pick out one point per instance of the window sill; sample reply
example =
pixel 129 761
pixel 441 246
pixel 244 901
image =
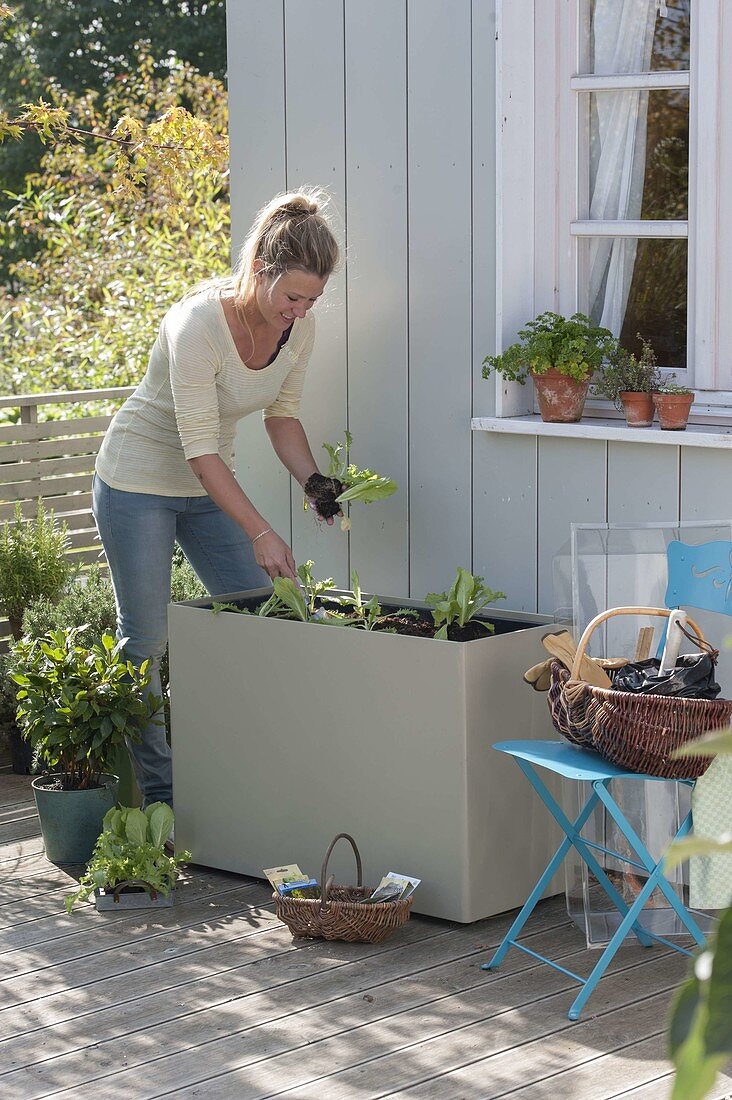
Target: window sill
pixel 696 435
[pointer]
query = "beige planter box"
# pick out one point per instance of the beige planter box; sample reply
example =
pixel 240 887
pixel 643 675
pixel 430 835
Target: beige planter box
pixel 286 733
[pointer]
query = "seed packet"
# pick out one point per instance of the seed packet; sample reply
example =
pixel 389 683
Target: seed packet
pixel 394 887
pixel 301 888
pixel 290 873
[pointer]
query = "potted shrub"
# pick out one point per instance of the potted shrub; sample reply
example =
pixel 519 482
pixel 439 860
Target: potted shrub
pixel 629 382
pixel 326 710
pixel 673 405
pixel 129 867
pixel 76 705
pixel 33 563
pixel 560 354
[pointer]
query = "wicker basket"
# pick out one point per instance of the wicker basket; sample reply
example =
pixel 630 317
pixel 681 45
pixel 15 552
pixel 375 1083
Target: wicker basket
pixel 340 913
pixel 636 732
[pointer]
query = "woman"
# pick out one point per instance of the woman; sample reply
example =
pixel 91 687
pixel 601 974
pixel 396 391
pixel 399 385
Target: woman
pixel 164 470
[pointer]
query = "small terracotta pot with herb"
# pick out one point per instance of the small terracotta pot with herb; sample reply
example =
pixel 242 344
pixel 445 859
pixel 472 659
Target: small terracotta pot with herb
pixel 629 381
pixel 673 405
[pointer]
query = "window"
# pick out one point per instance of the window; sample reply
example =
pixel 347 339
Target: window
pixel 626 110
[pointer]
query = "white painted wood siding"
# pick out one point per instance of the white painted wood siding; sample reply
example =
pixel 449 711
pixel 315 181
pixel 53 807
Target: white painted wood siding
pixel 391 106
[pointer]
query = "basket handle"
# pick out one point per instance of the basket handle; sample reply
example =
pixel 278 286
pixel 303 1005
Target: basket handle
pixel 662 612
pixel 326 883
pixel 135 882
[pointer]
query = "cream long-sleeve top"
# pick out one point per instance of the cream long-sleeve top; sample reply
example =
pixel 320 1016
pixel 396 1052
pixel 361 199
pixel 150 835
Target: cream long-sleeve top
pixel 194 392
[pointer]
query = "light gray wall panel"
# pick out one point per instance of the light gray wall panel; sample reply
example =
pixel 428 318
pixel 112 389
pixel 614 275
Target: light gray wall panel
pixel 642 483
pixel 484 203
pixel 440 293
pixel 572 489
pixel 314 104
pixel 255 36
pixel 505 516
pixel 376 175
pixel 706 484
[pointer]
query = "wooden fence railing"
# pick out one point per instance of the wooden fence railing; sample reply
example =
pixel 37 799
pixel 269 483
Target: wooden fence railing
pixel 53 461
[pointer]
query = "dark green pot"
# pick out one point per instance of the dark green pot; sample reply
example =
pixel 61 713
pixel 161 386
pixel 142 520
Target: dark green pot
pixel 71 821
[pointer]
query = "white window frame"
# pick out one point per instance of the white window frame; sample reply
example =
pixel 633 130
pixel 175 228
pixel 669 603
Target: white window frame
pixel 538 185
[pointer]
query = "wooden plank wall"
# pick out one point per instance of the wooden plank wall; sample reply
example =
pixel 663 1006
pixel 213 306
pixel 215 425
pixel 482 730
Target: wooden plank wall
pixel 53 461
pixel 391 106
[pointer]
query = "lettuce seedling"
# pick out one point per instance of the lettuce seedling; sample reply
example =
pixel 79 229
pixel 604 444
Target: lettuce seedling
pixel 369 615
pixel 363 485
pixel 467 597
pixel 131 846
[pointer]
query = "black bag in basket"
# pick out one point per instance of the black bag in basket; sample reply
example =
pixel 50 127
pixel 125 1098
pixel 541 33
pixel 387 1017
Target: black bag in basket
pixel 692 677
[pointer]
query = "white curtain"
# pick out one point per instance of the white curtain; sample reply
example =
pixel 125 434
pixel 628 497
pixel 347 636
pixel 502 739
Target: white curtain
pixel 623 42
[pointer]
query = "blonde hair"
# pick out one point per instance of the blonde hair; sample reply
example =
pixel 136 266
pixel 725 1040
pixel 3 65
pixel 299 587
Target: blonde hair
pixel 289 232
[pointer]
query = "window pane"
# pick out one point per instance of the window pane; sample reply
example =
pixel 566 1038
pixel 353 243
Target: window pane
pixel 638 286
pixel 633 37
pixel 639 154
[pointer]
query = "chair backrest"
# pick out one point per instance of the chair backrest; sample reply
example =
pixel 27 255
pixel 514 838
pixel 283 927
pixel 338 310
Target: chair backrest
pixel 700 576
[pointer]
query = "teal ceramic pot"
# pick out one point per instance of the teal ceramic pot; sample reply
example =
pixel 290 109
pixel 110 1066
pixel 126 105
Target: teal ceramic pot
pixel 71 821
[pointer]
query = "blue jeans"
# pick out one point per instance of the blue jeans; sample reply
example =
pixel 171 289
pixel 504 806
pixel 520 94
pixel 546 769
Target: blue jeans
pixel 139 532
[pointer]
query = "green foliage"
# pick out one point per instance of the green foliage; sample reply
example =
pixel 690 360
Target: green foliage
pixel 95 267
pixel 466 599
pixel 369 615
pixel 574 346
pixel 76 703
pixel 87 602
pixel 131 847
pixel 184 583
pixel 700 1033
pixel 33 562
pixel 313 589
pixel 359 485
pixel 674 389
pixel 624 372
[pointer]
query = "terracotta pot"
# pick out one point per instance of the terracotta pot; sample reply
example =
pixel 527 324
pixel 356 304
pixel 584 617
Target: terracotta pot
pixel 638 408
pixel 673 410
pixel 561 399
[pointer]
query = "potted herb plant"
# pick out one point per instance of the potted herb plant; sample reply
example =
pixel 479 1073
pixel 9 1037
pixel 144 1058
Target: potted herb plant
pixel 33 564
pixel 76 705
pixel 629 382
pixel 673 405
pixel 129 867
pixel 560 354
pixel 326 709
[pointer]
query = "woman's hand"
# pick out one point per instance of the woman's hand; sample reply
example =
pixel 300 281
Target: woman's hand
pixel 313 504
pixel 274 556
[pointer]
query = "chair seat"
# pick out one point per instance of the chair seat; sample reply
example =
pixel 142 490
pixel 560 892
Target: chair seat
pixel 572 761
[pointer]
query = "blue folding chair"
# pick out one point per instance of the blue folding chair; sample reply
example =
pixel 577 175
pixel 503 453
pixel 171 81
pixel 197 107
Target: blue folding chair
pixel 700 577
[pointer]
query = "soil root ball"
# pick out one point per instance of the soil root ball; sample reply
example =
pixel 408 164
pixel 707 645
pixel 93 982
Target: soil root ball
pixel 323 491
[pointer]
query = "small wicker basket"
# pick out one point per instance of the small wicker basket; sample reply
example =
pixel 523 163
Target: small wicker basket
pixel 340 913
pixel 636 732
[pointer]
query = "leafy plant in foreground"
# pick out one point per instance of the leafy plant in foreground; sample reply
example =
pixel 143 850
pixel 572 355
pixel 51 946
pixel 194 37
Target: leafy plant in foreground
pixel 467 597
pixel 700 1034
pixel 76 703
pixel 131 847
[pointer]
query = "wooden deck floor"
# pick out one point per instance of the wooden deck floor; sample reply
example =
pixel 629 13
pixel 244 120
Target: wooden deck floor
pixel 213 999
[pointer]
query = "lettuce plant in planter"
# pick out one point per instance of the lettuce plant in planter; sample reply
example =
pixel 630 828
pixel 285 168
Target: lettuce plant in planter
pixel 76 705
pixel 308 730
pixel 129 867
pixel 455 612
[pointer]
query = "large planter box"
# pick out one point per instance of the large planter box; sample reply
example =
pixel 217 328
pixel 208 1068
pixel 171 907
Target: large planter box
pixel 286 733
